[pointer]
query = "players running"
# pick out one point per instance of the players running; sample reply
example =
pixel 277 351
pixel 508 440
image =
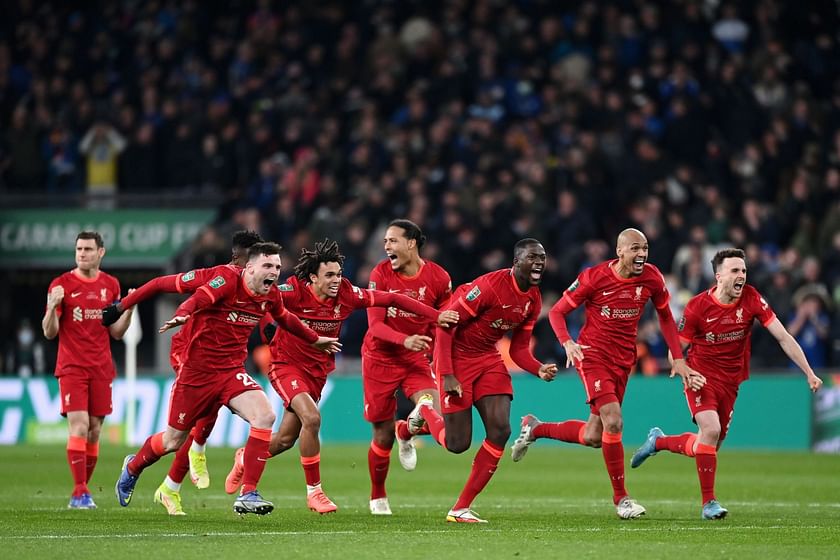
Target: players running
pixel 614 294
pixel 717 324
pixel 225 311
pixel 470 368
pixel 191 456
pixel 323 299
pixel 84 368
pixel 395 354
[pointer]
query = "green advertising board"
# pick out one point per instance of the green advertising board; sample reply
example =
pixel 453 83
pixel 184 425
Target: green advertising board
pixel 827 418
pixel 133 238
pixel 772 412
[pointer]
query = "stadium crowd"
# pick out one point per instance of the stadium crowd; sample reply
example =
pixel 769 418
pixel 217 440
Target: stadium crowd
pixel 705 124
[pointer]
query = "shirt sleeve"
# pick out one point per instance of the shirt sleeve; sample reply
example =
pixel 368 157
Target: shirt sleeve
pixel 763 311
pixel 580 290
pixel 687 327
pixel 220 286
pixel 660 296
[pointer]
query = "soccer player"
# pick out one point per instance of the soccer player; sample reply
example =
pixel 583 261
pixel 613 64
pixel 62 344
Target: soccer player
pixel 84 368
pixel 470 368
pixel 717 325
pixel 319 295
pixel 191 456
pixel 395 354
pixel 225 311
pixel 615 293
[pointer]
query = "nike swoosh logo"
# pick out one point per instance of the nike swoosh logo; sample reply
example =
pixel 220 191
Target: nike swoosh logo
pixel 506 306
pixel 77 461
pixel 75 294
pixel 393 291
pixel 710 319
pixel 308 310
pixel 241 302
pixel 262 459
pixel 608 293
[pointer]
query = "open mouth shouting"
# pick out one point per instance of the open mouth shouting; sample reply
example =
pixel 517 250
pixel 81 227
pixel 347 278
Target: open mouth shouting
pixel 268 282
pixel 738 286
pixel 638 265
pixel 536 274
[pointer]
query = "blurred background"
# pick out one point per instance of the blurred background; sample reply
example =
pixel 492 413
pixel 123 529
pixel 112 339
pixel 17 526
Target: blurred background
pixel 169 125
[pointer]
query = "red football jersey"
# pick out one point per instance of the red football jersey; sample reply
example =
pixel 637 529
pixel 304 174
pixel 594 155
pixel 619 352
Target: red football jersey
pixel 83 343
pixel 322 316
pixel 222 324
pixel 719 333
pixel 496 305
pixel 614 307
pixel 188 283
pixel 431 285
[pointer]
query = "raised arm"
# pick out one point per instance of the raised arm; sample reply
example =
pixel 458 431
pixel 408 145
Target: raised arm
pixel 387 299
pixel 161 284
pixel 49 324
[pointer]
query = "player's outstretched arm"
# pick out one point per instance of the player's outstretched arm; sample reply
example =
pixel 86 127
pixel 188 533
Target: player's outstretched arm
pixel 161 284
pixel 794 352
pixel 175 321
pixel 49 324
pixel 118 329
pixel 387 299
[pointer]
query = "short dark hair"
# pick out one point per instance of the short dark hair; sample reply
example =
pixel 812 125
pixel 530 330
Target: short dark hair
pixel 522 243
pixel 717 260
pixel 264 248
pixel 91 235
pixel 246 238
pixel 412 231
pixel 310 261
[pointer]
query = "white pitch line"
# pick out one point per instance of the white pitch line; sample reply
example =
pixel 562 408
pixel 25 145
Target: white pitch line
pixel 417 532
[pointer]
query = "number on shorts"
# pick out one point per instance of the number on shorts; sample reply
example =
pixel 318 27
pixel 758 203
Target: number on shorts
pixel 247 380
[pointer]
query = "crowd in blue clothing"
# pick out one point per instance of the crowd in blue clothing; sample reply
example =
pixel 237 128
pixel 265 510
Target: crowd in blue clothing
pixel 705 124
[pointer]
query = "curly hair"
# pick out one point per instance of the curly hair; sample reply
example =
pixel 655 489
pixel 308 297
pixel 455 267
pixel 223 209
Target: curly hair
pixel 310 261
pixel 246 238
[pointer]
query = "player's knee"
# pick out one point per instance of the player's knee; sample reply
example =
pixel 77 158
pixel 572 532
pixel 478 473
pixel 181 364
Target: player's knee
pixel 499 435
pixel 457 444
pixel 173 441
pixel 592 440
pixel 384 439
pixel 264 419
pixel 311 421
pixel 613 425
pixel 711 434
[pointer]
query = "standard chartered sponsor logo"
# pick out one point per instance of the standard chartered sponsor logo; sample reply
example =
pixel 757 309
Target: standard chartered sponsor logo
pixel 77 313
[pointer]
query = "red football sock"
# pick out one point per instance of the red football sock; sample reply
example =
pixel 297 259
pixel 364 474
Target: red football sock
pixel 254 458
pixel 379 459
pixel 706 460
pixel 92 454
pixel 402 430
pixel 483 467
pixel 682 444
pixel 76 446
pixel 570 431
pixel 613 451
pixel 181 463
pixel 312 469
pixel 149 454
pixel 435 424
pixel 201 430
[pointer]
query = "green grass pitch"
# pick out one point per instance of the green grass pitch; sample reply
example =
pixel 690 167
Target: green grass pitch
pixel 554 504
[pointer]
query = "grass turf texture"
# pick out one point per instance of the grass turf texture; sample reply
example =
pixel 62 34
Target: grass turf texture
pixel 554 504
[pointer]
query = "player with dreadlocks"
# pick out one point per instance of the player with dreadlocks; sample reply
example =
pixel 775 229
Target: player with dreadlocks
pixel 322 299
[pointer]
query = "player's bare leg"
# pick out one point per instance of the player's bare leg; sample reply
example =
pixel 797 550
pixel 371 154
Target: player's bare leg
pixel 495 415
pixel 310 452
pixel 255 408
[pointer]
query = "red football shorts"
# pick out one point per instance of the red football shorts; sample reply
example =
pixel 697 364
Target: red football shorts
pixel 80 392
pixel 380 382
pixel 479 378
pixel 290 381
pixel 719 397
pixel 604 383
pixel 188 403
